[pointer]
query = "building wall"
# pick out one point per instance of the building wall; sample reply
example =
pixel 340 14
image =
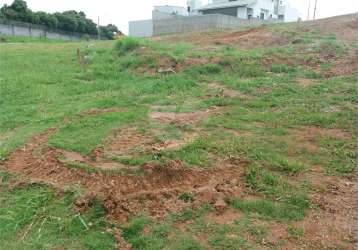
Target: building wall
pixel 194 4
pixel 24 29
pixel 142 28
pixel 202 23
pixel 232 11
pixel 157 15
pixel 176 10
pixel 260 5
pixel 242 12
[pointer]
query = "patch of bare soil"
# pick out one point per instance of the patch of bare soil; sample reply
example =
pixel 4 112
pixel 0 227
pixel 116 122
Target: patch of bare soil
pixel 244 39
pixel 155 63
pixel 183 118
pixel 157 192
pixel 307 138
pixel 346 65
pixel 121 242
pixel 305 82
pixel 345 27
pixel 166 64
pixel 227 92
pixel 311 133
pixel 227 217
pixel 334 225
pixel 253 38
pixel 128 141
pixel 96 111
pixel 191 62
pixel 239 133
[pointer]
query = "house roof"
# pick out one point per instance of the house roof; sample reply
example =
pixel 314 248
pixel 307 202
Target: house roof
pixel 237 3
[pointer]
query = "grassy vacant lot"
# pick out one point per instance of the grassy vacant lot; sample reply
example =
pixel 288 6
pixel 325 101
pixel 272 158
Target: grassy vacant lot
pixel 217 140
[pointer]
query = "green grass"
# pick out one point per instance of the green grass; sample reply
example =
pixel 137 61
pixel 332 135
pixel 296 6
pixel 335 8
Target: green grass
pixel 79 134
pixel 34 216
pixel 127 44
pixel 269 210
pixel 42 86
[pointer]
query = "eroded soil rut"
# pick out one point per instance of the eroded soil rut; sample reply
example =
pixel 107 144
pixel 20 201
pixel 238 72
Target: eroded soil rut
pixel 155 192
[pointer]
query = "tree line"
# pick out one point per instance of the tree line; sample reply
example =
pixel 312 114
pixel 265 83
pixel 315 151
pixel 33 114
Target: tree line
pixel 71 20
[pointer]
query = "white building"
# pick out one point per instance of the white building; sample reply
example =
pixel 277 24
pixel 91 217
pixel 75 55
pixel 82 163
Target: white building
pixel 193 5
pixel 291 14
pixel 247 9
pixel 172 10
pixel 194 16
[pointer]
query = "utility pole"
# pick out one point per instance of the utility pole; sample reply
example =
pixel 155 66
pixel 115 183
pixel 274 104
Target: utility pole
pixel 98 30
pixel 309 9
pixel 315 9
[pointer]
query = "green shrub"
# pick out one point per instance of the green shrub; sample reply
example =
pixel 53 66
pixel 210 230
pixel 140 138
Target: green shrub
pixel 127 44
pixel 86 37
pixel 3 39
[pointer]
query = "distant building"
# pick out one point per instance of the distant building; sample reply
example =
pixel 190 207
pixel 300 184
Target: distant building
pixel 171 10
pixel 289 13
pixel 218 14
pixel 193 5
pixel 246 9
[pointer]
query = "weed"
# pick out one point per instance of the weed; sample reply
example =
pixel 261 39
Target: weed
pixel 186 197
pixel 127 44
pixel 295 232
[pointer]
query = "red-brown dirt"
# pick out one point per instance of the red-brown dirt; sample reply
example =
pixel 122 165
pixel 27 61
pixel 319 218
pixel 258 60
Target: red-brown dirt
pixel 96 111
pixel 245 39
pixel 344 27
pixel 337 217
pixel 183 118
pixel 227 92
pixel 124 195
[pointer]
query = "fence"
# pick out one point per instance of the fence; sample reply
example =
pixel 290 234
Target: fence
pixel 13 28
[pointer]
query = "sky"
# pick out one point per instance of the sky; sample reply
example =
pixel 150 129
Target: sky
pixel 119 12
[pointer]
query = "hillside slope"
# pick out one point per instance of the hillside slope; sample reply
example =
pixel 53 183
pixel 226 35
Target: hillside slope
pixel 217 140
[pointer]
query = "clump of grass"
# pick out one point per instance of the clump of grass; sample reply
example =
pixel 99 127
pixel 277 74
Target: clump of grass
pixel 186 197
pixel 127 44
pixel 195 153
pixel 296 232
pixel 209 69
pixel 330 45
pixel 282 68
pixel 269 209
pixel 249 69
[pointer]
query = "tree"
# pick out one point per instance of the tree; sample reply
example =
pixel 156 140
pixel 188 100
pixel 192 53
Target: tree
pixel 19 6
pixel 71 20
pixel 108 31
